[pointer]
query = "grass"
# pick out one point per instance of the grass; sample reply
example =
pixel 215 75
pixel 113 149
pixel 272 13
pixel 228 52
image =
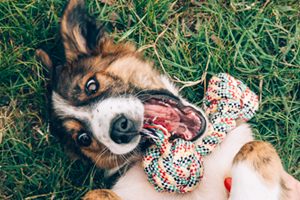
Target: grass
pixel 255 41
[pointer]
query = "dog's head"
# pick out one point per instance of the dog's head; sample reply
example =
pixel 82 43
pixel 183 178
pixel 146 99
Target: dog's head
pixel 104 92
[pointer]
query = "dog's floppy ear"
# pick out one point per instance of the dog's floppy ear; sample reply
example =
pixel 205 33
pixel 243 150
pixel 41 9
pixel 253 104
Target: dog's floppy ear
pixel 79 31
pixel 52 69
pixel 44 58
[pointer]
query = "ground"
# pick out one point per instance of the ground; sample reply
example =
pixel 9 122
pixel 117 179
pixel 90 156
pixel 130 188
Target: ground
pixel 255 41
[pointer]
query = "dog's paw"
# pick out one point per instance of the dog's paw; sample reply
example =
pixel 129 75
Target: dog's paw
pixel 101 195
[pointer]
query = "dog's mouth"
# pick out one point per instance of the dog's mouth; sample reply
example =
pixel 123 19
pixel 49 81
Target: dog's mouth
pixel 165 109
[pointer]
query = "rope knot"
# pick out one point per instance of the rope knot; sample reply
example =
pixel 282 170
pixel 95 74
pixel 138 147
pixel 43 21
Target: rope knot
pixel 173 166
pixel 177 165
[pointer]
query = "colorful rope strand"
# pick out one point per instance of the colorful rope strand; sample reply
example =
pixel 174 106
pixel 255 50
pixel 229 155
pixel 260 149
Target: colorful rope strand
pixel 177 165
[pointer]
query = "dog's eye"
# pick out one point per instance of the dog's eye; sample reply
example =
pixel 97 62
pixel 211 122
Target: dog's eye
pixel 91 86
pixel 83 139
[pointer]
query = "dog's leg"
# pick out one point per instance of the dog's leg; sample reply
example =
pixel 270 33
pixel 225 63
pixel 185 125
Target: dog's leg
pixel 257 173
pixel 100 195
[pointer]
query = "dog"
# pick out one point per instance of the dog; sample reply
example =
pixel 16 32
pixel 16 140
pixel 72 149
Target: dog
pixel 99 98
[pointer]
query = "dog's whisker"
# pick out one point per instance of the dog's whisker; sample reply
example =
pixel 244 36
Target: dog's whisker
pixel 115 160
pixel 137 95
pixel 126 159
pixel 101 154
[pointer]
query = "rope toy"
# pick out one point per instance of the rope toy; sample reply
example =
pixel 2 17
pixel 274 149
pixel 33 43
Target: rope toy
pixel 177 165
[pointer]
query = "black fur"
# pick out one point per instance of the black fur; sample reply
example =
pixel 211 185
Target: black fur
pixel 90 30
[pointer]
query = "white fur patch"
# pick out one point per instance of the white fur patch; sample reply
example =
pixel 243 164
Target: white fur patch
pixel 100 115
pixel 64 109
pixel 103 113
pixel 169 85
pixel 247 184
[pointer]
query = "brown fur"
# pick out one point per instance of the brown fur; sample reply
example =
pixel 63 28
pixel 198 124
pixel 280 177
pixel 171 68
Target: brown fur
pixel 263 158
pixel 284 190
pixel 44 57
pixel 74 43
pixel 107 47
pixel 101 195
pixel 72 126
pixel 126 74
pixel 96 150
pixel 111 83
pixel 120 69
pixel 134 71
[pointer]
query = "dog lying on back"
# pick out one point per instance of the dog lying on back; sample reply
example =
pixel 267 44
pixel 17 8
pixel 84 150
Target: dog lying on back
pixel 98 102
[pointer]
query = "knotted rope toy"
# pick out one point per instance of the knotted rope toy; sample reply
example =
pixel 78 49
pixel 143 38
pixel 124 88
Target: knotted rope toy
pixel 177 165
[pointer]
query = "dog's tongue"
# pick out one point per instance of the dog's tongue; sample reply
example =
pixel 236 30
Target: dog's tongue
pixel 170 118
pixel 164 112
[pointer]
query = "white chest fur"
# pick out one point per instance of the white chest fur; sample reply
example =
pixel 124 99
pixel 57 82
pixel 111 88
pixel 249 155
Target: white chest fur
pixel 134 185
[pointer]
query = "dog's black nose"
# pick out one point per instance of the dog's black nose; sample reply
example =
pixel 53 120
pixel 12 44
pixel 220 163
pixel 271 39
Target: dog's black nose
pixel 123 130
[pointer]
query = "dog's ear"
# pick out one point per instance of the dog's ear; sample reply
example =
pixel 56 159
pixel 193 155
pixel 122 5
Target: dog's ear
pixel 80 33
pixel 46 61
pixel 44 58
